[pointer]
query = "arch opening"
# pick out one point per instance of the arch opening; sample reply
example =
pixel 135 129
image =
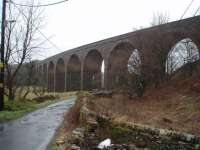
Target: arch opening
pixel 103 74
pixel 134 63
pixel 51 77
pixel 40 74
pixel 123 60
pixel 60 76
pixel 74 74
pixel 44 75
pixel 184 52
pixel 93 77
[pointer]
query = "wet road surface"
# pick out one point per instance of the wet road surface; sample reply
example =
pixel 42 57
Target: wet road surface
pixel 35 130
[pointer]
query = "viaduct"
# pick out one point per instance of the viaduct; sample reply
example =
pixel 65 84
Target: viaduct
pixel 80 68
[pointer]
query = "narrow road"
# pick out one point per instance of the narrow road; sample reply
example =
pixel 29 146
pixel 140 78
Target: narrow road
pixel 35 130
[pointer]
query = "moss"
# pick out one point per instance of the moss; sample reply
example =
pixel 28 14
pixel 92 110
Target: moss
pixel 120 134
pixel 140 135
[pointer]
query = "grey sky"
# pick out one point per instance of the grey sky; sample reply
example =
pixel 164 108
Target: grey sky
pixel 79 22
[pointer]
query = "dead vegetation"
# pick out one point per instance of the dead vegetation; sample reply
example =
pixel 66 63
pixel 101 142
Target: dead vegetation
pixel 73 115
pixel 174 105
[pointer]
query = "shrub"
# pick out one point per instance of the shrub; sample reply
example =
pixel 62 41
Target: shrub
pixel 73 115
pixel 132 83
pixel 82 94
pixel 41 99
pixel 18 105
pixel 139 84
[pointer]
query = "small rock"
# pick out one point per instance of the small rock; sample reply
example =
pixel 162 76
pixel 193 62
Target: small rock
pixel 104 144
pixel 132 147
pixel 163 132
pixel 75 147
pixel 79 132
pixel 60 142
pixel 190 137
pixel 76 140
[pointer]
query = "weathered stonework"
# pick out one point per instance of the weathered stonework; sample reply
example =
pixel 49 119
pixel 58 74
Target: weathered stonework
pixel 130 135
pixel 82 65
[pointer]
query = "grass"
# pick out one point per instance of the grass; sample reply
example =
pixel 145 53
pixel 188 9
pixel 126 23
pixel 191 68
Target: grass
pixel 70 122
pixel 18 108
pixel 175 105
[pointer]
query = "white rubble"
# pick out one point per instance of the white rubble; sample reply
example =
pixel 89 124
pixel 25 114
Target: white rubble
pixel 104 144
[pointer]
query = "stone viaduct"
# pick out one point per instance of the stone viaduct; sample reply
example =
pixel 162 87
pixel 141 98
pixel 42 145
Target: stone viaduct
pixel 80 68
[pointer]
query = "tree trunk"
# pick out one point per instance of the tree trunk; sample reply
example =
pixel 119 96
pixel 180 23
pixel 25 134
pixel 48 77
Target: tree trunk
pixel 11 94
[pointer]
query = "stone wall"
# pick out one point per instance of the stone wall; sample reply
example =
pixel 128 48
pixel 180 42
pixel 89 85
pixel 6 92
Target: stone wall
pixel 98 127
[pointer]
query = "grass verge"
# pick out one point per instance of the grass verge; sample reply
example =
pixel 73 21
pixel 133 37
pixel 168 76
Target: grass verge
pixel 18 108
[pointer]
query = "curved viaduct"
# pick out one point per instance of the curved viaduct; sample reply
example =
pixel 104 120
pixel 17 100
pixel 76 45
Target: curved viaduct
pixel 80 68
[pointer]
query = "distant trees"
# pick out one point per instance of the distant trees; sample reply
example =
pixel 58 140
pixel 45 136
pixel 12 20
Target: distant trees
pixel 182 53
pixel 157 56
pixel 154 69
pixel 132 82
pixel 135 78
pixel 159 63
pixel 160 18
pixel 22 41
pixel 134 62
pixel 25 79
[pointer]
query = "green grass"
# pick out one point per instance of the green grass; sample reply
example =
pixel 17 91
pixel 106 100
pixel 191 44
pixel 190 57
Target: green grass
pixel 16 109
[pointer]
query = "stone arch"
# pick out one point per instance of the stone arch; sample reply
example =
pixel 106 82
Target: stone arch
pixel 40 69
pixel 92 77
pixel 74 73
pixel 176 37
pixel 51 76
pixel 195 36
pixel 45 75
pixel 40 74
pixel 118 61
pixel 60 76
pixel 182 52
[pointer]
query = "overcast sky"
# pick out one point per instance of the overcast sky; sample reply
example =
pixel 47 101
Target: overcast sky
pixel 79 22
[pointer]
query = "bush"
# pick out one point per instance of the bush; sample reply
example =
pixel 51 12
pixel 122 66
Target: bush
pixel 82 94
pixel 41 99
pixel 18 105
pixel 132 83
pixel 73 115
pixel 139 84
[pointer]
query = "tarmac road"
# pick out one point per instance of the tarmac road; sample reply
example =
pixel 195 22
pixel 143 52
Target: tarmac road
pixel 35 130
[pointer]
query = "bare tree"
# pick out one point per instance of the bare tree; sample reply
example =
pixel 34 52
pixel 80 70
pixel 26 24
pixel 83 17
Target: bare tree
pixel 155 66
pixel 182 53
pixel 26 79
pixel 22 41
pixel 159 18
pixel 134 62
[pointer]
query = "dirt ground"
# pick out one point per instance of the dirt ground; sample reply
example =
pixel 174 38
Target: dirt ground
pixel 175 105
